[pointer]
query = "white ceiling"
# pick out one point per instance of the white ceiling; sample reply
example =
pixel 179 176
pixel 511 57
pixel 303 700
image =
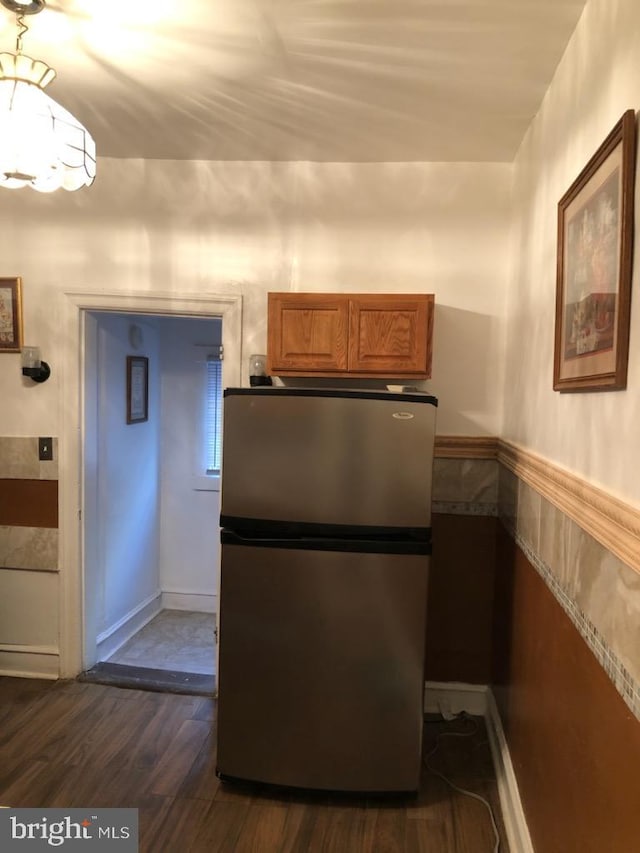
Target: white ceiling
pixel 335 80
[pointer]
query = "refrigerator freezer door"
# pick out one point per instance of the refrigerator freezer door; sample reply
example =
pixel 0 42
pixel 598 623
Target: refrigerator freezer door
pixel 321 668
pixel 353 459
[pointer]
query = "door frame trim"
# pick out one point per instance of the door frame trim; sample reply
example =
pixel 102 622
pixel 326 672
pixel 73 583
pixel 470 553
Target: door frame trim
pixel 74 304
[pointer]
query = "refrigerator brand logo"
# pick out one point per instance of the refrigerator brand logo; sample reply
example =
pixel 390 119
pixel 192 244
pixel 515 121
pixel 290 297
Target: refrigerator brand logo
pixel 403 416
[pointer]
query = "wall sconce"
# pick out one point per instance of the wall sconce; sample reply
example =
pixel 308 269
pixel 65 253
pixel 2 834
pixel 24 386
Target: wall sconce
pixel 33 366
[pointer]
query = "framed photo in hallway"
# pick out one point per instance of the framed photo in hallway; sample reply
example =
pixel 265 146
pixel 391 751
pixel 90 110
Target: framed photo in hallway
pixel 594 267
pixel 10 314
pixel 137 389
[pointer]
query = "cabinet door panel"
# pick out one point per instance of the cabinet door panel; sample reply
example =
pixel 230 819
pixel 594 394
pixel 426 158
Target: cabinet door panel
pixel 390 335
pixel 307 332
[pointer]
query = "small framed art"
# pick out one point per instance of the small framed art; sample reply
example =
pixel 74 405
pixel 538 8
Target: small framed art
pixel 137 389
pixel 10 314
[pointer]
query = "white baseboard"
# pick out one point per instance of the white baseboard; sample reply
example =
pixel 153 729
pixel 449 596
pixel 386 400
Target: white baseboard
pixel 512 812
pixel 109 641
pixel 453 697
pixel 195 601
pixel 30 661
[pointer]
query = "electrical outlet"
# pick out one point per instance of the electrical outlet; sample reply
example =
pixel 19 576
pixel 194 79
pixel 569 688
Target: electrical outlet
pixel 45 449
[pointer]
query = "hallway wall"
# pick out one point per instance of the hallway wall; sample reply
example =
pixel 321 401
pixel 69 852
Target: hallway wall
pixel 122 514
pixel 189 501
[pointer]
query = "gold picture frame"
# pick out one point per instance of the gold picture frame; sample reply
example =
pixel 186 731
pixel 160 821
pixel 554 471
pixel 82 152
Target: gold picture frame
pixel 594 267
pixel 11 314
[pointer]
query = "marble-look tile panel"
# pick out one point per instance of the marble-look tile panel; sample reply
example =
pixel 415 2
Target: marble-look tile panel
pixel 34 548
pixel 19 459
pixel 49 470
pixel 608 592
pixel 507 497
pixel 528 515
pixel 465 480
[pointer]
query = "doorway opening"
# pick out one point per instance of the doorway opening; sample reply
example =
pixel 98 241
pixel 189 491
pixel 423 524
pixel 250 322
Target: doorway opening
pixel 148 544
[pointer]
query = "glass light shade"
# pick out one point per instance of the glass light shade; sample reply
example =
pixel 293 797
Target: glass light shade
pixel 30 357
pixel 257 365
pixel 41 144
pixel 33 366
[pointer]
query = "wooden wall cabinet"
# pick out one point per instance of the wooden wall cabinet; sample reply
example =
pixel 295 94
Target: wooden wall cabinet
pixel 362 335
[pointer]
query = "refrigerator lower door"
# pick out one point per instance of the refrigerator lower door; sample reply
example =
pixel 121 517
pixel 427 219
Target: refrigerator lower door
pixel 322 667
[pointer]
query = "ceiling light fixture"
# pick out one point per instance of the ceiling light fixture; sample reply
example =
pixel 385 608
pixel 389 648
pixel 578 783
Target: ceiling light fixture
pixel 41 144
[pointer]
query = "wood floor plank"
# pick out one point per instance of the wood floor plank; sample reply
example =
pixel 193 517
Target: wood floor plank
pixel 169 711
pixel 304 828
pixel 390 831
pixel 427 836
pixel 175 764
pixel 177 827
pixel 205 710
pixel 472 824
pixel 21 784
pixel 262 830
pixel 201 782
pixel 221 827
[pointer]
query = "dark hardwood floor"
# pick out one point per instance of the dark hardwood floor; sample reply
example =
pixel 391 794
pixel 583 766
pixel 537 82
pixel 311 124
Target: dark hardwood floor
pixel 75 745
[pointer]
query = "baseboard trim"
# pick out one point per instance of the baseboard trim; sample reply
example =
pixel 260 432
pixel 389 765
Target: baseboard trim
pixel 196 601
pixel 109 641
pixel 513 816
pixel 453 697
pixel 30 662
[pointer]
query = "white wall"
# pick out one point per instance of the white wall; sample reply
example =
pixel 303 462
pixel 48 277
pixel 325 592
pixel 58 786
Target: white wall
pixel 593 434
pixel 247 228
pixel 189 531
pixel 127 501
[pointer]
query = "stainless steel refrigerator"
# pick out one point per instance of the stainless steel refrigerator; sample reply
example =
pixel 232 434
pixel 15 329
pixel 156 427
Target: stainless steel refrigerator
pixel 326 537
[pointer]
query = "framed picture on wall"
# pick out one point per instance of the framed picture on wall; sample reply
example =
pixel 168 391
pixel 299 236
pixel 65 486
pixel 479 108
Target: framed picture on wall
pixel 594 266
pixel 137 389
pixel 10 314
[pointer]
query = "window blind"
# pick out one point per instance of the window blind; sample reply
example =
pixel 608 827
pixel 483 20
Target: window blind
pixel 213 412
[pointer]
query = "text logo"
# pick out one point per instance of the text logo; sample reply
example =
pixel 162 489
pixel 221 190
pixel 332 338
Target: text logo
pixel 33 830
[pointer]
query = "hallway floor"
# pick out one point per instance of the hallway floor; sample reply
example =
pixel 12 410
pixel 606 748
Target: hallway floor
pixel 177 640
pixel 174 653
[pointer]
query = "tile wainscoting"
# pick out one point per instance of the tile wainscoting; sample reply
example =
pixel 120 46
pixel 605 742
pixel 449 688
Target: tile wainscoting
pixel 584 543
pixel 29 589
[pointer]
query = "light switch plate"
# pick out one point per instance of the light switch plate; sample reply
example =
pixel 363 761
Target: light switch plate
pixel 45 449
